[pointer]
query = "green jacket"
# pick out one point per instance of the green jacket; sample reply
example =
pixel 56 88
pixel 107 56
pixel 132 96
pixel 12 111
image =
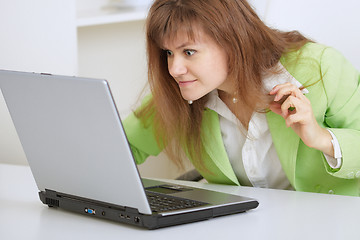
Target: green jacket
pixel 335 101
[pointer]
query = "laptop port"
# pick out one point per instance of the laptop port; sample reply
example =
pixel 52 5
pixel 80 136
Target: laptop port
pixel 90 211
pixel 136 219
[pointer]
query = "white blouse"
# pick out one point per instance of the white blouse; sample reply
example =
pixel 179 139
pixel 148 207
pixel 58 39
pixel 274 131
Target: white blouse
pixel 252 153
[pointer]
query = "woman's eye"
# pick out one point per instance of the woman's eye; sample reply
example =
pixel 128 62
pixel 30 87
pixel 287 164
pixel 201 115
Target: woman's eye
pixel 189 52
pixel 169 53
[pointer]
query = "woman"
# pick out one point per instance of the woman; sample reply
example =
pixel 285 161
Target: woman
pixel 247 104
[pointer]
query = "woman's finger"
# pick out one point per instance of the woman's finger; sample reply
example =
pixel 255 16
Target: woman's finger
pixel 290 106
pixel 286 89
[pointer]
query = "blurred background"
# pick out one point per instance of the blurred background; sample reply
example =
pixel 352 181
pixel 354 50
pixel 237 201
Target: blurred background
pixel 105 39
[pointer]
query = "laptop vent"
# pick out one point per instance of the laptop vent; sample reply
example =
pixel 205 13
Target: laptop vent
pixel 52 202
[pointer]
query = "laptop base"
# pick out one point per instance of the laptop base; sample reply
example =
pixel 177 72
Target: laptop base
pixel 118 213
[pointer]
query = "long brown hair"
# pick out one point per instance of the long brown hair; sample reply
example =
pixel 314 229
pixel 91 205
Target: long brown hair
pixel 253 49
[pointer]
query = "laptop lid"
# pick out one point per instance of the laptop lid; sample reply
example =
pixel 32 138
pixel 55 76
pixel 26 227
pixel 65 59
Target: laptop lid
pixel 88 151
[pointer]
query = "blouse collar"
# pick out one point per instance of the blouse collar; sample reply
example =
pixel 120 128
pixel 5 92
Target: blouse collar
pixel 216 104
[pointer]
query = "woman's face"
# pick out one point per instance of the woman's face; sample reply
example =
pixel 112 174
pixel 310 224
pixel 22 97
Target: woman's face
pixel 198 66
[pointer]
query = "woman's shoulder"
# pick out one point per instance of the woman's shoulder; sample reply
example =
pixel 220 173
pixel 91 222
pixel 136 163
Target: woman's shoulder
pixel 320 51
pixel 312 51
pixel 310 58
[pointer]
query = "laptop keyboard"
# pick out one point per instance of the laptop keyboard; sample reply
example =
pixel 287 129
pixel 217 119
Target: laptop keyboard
pixel 163 203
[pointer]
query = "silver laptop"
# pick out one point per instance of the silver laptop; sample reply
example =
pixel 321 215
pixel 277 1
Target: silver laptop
pixel 79 155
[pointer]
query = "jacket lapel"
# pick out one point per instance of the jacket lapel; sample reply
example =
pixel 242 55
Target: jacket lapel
pixel 286 143
pixel 215 149
pixel 285 140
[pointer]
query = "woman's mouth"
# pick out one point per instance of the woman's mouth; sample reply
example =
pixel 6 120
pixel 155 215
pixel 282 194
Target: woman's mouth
pixel 186 83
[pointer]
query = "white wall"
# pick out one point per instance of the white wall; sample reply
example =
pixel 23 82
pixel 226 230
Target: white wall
pixel 35 36
pixel 38 35
pixel 333 23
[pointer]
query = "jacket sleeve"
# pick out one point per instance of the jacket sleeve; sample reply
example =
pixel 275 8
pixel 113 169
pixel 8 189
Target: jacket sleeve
pixel 341 82
pixel 141 138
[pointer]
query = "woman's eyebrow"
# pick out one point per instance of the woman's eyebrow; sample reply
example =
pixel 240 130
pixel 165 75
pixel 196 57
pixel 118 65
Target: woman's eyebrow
pixel 184 45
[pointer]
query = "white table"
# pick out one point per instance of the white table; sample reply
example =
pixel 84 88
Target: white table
pixel 280 215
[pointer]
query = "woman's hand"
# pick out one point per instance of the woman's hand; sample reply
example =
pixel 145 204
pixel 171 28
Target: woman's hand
pixel 295 108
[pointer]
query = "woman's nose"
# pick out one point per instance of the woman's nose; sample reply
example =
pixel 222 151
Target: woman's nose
pixel 177 66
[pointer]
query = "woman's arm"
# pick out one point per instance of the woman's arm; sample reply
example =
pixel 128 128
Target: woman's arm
pixel 141 138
